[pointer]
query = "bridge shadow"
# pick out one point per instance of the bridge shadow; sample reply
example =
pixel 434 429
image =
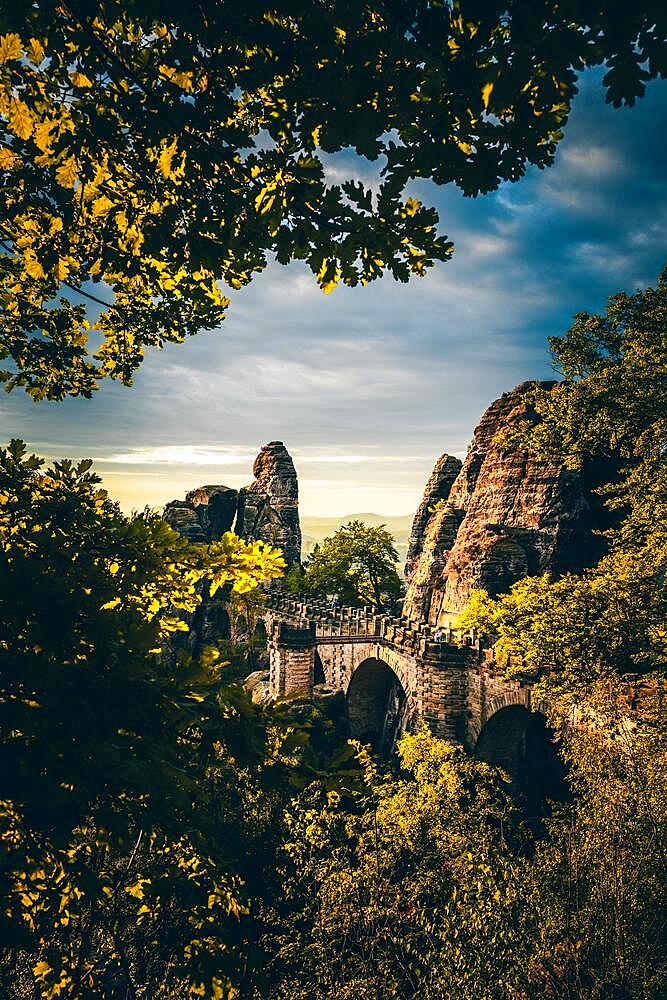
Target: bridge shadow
pixel 522 744
pixel 376 706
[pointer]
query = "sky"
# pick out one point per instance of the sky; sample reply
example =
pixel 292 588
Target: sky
pixel 367 387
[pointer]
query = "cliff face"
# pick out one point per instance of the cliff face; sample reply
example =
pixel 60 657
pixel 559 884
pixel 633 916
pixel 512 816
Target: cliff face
pixel 507 516
pixel 268 509
pixel 437 489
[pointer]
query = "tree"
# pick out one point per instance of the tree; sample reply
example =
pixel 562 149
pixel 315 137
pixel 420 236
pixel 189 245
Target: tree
pixel 356 566
pixel 600 875
pixel 611 406
pixel 122 774
pixel 157 150
pixel 247 616
pixel 405 888
pixel 425 884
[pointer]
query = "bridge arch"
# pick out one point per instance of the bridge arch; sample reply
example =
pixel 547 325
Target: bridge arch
pixel 521 742
pixel 377 704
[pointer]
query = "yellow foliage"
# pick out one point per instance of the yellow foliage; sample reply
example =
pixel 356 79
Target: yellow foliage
pixel 43 137
pixel 8 159
pixel 20 119
pixel 67 173
pixel 80 80
pixel 165 159
pixel 102 206
pixel 10 48
pixel 33 267
pixel 35 51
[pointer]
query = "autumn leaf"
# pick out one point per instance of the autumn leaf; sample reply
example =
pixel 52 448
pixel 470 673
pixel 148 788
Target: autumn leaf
pixel 35 51
pixel 42 136
pixel 10 48
pixel 66 174
pixel 33 267
pixel 63 268
pixel 487 90
pixel 20 119
pixel 102 206
pixel 165 159
pixel 8 159
pixel 80 80
pixel 41 970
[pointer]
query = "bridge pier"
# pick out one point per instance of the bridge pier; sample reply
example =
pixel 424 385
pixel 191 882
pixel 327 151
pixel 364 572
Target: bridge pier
pixel 291 659
pixel 444 679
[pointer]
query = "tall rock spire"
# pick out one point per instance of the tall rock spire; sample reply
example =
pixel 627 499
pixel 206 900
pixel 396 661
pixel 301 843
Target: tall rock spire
pixel 437 489
pixel 268 509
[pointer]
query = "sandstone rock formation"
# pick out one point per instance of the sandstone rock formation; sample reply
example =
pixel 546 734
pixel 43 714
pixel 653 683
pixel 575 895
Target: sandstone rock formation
pixel 268 509
pixel 437 490
pixel 205 514
pixel 507 516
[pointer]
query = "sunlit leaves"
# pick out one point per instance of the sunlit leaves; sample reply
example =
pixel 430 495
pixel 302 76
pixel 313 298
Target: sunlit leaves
pixel 113 745
pixel 202 130
pixel 10 47
pixel 66 173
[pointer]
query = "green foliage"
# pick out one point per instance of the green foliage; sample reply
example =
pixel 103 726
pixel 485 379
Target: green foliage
pixel 355 566
pixel 406 888
pixel 160 149
pixel 294 580
pixel 122 773
pixel 599 879
pixel 162 836
pixel 610 407
pixel 426 885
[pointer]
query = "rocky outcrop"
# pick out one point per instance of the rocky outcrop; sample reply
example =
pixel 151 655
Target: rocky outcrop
pixel 216 508
pixel 268 509
pixel 205 514
pixel 437 491
pixel 507 515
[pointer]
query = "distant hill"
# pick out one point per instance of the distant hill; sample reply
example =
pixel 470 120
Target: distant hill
pixel 316 529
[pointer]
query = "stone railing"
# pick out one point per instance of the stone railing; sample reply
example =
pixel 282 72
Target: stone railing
pixel 332 622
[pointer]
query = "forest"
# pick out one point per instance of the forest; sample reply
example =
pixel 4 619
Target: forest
pixel 162 834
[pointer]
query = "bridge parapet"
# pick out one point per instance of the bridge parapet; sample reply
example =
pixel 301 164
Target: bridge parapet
pixel 333 621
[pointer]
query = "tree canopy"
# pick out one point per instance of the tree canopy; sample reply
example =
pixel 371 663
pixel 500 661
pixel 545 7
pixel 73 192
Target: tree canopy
pixel 152 152
pixel 426 885
pixel 356 566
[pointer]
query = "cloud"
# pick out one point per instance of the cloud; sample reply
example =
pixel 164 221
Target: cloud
pixel 177 455
pixel 367 387
pixel 213 457
pixel 592 161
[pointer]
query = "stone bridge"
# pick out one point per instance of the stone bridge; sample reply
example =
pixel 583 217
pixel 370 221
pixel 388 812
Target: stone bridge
pixel 394 676
pixel 454 686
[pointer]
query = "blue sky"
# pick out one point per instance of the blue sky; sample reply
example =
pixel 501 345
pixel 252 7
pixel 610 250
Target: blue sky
pixel 368 386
